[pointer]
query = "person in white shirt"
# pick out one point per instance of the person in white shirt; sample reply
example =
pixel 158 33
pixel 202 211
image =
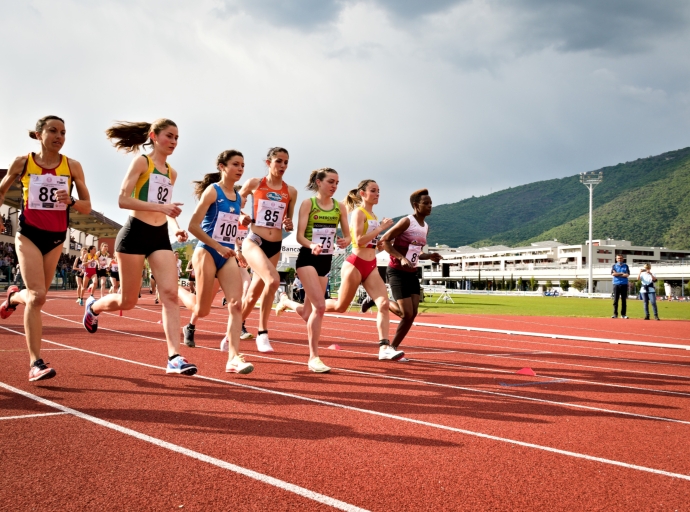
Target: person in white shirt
pixel 647 290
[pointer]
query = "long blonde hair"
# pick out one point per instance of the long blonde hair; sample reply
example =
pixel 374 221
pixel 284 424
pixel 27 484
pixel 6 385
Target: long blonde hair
pixel 353 199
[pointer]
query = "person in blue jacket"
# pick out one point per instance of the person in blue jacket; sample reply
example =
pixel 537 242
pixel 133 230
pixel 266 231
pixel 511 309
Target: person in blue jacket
pixel 620 272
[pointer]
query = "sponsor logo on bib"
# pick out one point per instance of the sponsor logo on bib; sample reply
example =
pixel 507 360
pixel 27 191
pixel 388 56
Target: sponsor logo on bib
pixel 273 196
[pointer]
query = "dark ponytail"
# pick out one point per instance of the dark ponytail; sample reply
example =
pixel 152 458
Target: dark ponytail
pixel 131 136
pixel 214 177
pixel 319 174
pixel 41 123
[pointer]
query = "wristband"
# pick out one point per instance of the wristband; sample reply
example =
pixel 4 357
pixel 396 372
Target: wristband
pixel 74 201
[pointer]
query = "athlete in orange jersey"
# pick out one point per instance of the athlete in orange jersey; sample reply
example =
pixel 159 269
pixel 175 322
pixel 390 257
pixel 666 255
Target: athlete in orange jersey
pixel 273 206
pixel 47 178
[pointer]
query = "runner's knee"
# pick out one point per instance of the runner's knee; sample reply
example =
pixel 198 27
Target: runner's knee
pixel 36 298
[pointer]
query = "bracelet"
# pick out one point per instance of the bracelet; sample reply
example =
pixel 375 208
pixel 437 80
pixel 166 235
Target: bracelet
pixel 74 201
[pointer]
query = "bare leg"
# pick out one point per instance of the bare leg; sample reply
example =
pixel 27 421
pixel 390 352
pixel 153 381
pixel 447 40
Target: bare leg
pixel 409 307
pixel 377 290
pixel 350 281
pixel 231 283
pixel 37 272
pixel 265 269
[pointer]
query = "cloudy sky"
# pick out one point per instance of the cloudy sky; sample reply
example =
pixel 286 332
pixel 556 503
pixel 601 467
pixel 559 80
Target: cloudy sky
pixel 463 97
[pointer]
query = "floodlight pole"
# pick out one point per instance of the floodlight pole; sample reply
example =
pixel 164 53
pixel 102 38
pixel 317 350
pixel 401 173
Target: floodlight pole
pixel 591 180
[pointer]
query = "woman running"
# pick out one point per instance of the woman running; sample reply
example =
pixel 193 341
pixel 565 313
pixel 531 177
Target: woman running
pixel 147 191
pixel 47 178
pixel 273 206
pixel 114 269
pixel 360 266
pixel 90 269
pixel 214 224
pixel 404 242
pixel 319 217
pixel 104 257
pixel 192 276
pixel 78 269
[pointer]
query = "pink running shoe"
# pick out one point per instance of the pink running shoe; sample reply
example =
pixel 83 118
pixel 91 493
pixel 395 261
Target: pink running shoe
pixel 40 371
pixel 5 309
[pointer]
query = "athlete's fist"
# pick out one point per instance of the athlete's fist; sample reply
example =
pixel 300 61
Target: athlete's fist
pixel 287 224
pixel 316 249
pixel 385 223
pixel 181 235
pixel 435 257
pixel 172 210
pixel 342 242
pixel 245 219
pixel 243 263
pixel 406 263
pixel 226 252
pixel 63 197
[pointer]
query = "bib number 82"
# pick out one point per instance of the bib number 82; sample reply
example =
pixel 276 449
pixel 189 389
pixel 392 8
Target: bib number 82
pixel 163 194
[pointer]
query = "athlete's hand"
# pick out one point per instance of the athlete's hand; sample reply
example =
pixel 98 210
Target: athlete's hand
pixel 380 246
pixel 406 263
pixel 342 242
pixel 435 257
pixel 241 260
pixel 63 197
pixel 316 249
pixel 287 224
pixel 181 235
pixel 385 223
pixel 172 210
pixel 226 252
pixel 245 219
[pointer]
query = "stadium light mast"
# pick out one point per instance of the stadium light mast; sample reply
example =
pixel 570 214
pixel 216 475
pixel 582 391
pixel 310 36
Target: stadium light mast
pixel 591 180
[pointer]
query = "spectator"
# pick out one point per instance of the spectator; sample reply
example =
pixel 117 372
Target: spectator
pixel 668 289
pixel 647 290
pixel 620 272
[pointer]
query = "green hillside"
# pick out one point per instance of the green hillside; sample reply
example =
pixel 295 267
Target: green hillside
pixel 645 201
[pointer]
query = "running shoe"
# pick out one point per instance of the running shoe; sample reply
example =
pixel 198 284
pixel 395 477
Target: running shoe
pixel 614 316
pixel 90 318
pixel 5 309
pixel 281 307
pixel 180 365
pixel 403 360
pixel 238 365
pixel 656 318
pixel 367 305
pixel 189 336
pixel 624 317
pixel 40 371
pixel 388 353
pixel 263 344
pixel 81 301
pixel 155 301
pixel 246 335
pixel 224 344
pixel 316 365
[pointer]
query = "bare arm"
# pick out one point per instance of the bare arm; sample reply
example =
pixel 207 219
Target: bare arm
pixel 287 221
pixel 83 204
pixel 126 202
pixel 359 220
pixel 302 222
pixel 387 239
pixel 344 227
pixel 15 170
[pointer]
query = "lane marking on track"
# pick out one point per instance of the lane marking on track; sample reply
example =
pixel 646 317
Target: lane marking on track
pixel 438 363
pixel 531 334
pixel 539 383
pixel 41 415
pixel 286 486
pixel 439 426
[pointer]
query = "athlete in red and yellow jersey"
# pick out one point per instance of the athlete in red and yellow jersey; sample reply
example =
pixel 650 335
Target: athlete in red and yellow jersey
pixel 273 206
pixel 47 178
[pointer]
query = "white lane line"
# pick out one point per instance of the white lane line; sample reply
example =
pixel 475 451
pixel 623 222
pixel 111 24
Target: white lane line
pixel 532 334
pixel 442 363
pixel 359 410
pixel 281 484
pixel 32 416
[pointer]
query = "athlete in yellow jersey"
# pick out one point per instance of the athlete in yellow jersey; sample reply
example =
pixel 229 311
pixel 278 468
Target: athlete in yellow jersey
pixel 47 178
pixel 147 192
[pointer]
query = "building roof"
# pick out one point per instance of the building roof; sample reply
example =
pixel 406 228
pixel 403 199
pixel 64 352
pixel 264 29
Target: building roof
pixel 93 223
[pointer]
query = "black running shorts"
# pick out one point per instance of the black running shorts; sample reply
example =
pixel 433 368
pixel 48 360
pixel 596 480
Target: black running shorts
pixel 138 237
pixel 403 284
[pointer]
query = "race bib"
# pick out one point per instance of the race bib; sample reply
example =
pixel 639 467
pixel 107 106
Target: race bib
pixel 241 235
pixel 270 214
pixel 225 230
pixel 325 237
pixel 373 224
pixel 412 255
pixel 43 190
pixel 160 189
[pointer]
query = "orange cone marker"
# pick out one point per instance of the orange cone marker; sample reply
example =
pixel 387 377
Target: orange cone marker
pixel 526 371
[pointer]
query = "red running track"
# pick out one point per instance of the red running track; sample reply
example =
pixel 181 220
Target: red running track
pixel 599 427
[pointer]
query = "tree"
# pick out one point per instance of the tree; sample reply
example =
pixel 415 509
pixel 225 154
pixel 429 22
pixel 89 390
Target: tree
pixel 548 285
pixel 580 284
pixel 660 289
pixel 519 284
pixel 565 284
pixel 533 284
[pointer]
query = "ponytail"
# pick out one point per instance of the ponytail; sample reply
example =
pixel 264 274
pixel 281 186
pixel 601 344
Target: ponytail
pixel 41 123
pixel 131 136
pixel 214 177
pixel 353 199
pixel 319 174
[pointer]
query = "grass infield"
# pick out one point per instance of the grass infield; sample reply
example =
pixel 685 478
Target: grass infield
pixel 548 306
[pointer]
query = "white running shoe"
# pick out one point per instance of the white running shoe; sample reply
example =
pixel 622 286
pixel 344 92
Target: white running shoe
pixel 317 366
pixel 245 334
pixel 388 353
pixel 224 344
pixel 238 365
pixel 263 344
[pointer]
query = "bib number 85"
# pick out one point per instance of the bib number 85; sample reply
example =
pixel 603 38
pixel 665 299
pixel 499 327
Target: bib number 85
pixel 272 216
